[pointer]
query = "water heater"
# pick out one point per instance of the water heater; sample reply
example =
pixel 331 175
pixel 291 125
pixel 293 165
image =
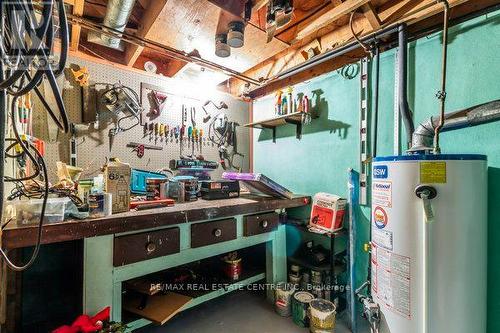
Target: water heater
pixel 429 243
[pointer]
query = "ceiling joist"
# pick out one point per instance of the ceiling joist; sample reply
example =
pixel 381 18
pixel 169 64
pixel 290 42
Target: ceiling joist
pixel 153 11
pixel 413 13
pixel 326 16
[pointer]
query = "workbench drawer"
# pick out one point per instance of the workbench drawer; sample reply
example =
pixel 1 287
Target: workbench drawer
pixel 207 233
pixel 147 245
pixel 259 224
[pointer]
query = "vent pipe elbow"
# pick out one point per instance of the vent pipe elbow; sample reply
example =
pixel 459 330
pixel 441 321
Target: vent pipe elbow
pixel 423 137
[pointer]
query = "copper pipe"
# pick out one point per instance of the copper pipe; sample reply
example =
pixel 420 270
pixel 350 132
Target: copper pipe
pixel 441 95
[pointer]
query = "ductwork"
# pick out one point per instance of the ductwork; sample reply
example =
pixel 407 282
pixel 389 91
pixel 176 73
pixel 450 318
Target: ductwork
pixel 423 137
pixel 117 15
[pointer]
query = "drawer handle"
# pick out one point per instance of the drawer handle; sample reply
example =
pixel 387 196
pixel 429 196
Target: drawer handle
pixel 150 247
pixel 217 233
pixel 264 224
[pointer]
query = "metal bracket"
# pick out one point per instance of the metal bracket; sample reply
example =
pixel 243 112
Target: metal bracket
pixel 298 127
pixel 271 128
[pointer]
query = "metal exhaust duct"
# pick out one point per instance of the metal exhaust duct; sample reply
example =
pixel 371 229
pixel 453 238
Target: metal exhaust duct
pixel 117 15
pixel 423 137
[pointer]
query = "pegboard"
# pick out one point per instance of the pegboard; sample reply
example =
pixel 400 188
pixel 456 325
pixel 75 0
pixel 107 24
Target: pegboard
pixel 93 144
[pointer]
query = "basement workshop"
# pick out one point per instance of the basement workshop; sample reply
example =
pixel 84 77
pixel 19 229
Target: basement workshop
pixel 250 166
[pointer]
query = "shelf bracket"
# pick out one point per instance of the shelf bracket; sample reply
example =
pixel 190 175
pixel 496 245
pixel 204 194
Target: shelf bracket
pixel 298 127
pixel 271 128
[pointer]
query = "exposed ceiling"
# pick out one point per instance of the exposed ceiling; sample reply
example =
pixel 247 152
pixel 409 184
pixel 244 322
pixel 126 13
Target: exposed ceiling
pixel 189 25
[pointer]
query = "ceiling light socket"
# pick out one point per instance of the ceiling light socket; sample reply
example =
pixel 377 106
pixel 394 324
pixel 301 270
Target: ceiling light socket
pixel 222 49
pixel 236 34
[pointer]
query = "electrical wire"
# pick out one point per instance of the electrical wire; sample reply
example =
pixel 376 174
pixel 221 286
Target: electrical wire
pixel 351 26
pixel 26 48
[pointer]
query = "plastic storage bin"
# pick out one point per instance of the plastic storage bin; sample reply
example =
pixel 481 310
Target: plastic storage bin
pixel 28 211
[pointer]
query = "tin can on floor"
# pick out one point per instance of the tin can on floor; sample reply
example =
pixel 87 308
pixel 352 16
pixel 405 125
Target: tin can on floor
pixel 300 307
pixel 322 316
pixel 294 279
pixel 283 299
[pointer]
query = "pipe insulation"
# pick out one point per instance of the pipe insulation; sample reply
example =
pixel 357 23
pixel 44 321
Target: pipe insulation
pixel 117 15
pixel 423 137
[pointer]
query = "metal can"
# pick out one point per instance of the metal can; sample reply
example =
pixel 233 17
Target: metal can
pixel 294 279
pixel 282 300
pixel 300 307
pixel 306 280
pixel 322 316
pixel 233 269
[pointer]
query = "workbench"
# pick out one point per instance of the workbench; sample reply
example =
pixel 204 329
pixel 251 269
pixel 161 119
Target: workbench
pixel 129 245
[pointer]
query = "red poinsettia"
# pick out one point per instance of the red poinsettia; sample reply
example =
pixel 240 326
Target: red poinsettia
pixel 86 324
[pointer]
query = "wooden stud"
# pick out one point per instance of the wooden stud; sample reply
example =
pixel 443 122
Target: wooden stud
pixel 76 28
pixel 326 16
pixel 371 15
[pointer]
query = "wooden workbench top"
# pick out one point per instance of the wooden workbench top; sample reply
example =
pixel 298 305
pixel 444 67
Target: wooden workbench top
pixel 15 236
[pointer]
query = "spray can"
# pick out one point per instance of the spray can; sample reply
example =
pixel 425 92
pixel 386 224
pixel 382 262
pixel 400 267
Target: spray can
pixel 290 99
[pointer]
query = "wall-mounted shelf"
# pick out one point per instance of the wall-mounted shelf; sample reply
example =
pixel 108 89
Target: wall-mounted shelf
pixel 296 118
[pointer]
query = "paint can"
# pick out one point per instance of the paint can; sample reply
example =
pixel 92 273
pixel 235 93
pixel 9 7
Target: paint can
pixel 233 269
pixel 232 266
pixel 306 280
pixel 294 279
pixel 322 316
pixel 316 277
pixel 283 298
pixel 295 269
pixel 317 291
pixel 300 307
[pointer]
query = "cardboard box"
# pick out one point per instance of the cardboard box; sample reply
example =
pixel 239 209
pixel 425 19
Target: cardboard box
pixel 328 212
pixel 117 183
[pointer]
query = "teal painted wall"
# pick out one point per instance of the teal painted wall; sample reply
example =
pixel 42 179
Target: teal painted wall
pixel 330 145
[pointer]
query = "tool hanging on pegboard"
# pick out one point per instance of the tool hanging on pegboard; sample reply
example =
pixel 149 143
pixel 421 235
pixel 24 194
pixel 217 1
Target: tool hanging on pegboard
pixel 363 131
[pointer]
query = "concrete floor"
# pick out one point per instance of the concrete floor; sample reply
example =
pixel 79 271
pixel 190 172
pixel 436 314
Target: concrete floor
pixel 240 311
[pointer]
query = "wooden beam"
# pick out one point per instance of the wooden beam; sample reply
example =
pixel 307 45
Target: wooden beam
pixel 151 14
pixel 258 4
pixel 76 29
pixel 415 11
pixel 326 16
pixel 371 15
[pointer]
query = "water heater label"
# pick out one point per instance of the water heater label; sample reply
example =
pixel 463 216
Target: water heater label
pixel 380 172
pixel 433 172
pixel 382 194
pixel 383 238
pixel 393 282
pixel 380 217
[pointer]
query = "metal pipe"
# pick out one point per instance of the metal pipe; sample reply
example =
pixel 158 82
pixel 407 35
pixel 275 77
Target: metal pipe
pixel 376 102
pixel 169 51
pixel 372 38
pixel 117 14
pixel 441 95
pixel 477 115
pixel 404 107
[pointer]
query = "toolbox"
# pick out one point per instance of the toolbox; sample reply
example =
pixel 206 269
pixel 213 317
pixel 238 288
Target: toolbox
pixel 220 189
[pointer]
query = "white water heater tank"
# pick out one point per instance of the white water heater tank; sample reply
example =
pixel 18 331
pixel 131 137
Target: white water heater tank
pixel 429 243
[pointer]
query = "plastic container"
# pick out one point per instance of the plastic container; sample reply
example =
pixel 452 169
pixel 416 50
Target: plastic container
pixel 28 211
